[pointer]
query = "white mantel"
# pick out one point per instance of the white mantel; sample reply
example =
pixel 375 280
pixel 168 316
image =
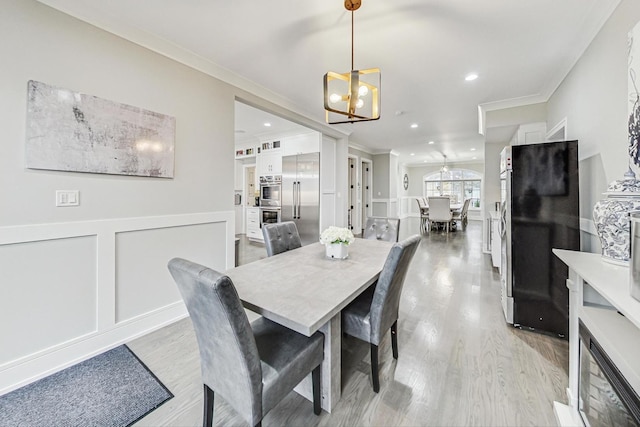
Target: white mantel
pixel 600 298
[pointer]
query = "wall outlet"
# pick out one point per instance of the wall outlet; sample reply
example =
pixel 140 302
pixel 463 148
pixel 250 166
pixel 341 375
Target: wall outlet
pixel 67 198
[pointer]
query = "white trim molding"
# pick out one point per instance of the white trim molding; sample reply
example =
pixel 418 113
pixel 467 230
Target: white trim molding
pixel 81 288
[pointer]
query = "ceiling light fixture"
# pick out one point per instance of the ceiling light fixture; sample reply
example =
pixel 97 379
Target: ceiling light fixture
pixel 267 124
pixel 354 94
pixel 473 149
pixel 431 143
pixel 471 77
pixel 444 167
pixel 412 154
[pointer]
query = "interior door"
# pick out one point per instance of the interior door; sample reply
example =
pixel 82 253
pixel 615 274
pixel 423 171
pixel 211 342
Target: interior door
pixel 366 191
pixel 353 196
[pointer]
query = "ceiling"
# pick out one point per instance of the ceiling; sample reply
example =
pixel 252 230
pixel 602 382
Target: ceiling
pixel 520 50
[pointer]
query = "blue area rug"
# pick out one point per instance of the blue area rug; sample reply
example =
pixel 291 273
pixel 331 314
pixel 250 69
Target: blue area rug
pixel 112 389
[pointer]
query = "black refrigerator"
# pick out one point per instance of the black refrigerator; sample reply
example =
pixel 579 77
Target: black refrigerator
pixel 540 212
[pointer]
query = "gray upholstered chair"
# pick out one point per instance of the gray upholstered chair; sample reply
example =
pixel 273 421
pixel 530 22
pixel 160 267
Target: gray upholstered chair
pixel 375 311
pixel 440 211
pixel 379 228
pixel 252 366
pixel 281 237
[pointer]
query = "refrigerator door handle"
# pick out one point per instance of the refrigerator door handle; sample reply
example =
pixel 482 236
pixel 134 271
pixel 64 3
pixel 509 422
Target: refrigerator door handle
pixel 299 200
pixel 294 203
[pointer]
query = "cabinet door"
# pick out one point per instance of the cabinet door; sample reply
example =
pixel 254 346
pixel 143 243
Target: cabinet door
pixel 495 242
pixel 276 164
pixel 301 144
pixel 270 163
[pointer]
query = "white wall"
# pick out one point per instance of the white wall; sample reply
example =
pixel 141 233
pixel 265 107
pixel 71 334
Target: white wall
pixel 594 99
pixel 78 280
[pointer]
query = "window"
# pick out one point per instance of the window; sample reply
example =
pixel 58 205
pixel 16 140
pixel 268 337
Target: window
pixel 458 184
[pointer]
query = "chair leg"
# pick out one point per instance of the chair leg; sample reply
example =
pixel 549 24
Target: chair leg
pixel 207 418
pixel 374 368
pixel 315 379
pixel 394 339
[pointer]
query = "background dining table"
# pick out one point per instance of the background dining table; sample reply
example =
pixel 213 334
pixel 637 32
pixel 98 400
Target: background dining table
pixel 304 290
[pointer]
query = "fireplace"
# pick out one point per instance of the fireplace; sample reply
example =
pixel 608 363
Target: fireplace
pixel 606 398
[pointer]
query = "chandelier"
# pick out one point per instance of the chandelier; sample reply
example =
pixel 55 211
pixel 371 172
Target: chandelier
pixel 444 167
pixel 354 94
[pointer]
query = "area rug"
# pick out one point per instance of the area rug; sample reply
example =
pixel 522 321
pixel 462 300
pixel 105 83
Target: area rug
pixel 112 389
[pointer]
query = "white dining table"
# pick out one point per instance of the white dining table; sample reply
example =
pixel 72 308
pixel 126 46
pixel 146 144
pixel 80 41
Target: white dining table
pixel 304 290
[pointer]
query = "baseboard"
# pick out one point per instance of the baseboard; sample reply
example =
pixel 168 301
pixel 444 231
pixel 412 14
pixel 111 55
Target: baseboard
pixel 39 365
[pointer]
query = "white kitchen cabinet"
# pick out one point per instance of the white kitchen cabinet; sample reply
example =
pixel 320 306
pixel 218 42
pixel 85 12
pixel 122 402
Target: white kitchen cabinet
pixel 301 144
pixel 270 163
pixel 496 242
pixel 253 224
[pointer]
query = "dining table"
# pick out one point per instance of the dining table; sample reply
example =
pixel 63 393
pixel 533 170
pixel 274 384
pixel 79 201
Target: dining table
pixel 304 290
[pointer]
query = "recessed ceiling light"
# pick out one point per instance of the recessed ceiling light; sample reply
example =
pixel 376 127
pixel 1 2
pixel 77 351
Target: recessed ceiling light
pixel 267 124
pixel 471 77
pixel 414 125
pixel 412 154
pixel 431 142
pixel 475 158
pixel 473 149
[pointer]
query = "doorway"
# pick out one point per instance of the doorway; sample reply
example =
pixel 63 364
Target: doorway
pixel 352 200
pixel 366 190
pixel 250 189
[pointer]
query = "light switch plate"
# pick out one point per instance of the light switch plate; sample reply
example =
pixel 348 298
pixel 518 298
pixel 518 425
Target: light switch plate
pixel 67 198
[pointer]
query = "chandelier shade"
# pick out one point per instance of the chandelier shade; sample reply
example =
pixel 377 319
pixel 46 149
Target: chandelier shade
pixel 353 96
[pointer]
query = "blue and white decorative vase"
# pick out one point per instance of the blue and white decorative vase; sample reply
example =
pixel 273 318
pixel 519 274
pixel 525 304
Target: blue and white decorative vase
pixel 611 217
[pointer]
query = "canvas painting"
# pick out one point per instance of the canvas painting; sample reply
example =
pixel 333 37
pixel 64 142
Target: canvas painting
pixel 634 94
pixel 70 131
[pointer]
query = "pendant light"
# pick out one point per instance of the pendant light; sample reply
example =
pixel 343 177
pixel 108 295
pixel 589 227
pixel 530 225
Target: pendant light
pixel 444 168
pixel 353 96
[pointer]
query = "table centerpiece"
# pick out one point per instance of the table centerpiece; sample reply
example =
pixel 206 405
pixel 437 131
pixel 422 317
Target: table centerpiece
pixel 337 241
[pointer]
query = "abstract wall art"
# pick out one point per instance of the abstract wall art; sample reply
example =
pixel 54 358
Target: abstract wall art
pixel 70 131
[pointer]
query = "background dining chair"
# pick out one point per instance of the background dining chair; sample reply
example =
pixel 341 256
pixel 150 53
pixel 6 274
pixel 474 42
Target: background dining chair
pixel 252 366
pixel 380 228
pixel 462 214
pixel 281 237
pixel 375 311
pixel 440 211
pixel 424 213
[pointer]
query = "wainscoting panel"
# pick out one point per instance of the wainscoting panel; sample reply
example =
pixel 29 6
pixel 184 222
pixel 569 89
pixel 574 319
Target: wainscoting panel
pixel 143 282
pixel 73 290
pixel 48 294
pixel 380 207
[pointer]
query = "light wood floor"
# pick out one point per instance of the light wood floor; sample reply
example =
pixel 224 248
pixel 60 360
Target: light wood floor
pixel 460 364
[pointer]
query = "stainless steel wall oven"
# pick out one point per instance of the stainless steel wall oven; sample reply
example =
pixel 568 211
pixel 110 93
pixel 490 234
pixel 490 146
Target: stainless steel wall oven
pixel 269 215
pixel 270 190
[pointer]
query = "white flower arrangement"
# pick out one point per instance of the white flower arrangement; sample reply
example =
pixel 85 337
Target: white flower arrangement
pixel 336 235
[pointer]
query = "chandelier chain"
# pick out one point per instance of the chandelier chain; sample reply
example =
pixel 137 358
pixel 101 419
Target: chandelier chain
pixel 352 67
